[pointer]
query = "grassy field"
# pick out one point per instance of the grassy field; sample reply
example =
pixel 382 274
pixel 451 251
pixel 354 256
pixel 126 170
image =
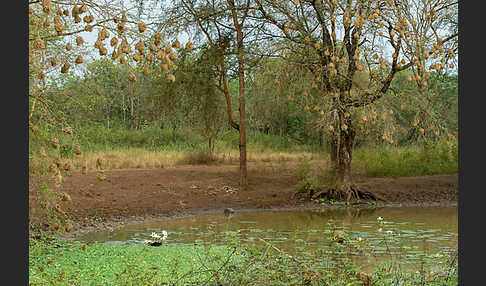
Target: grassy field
pixel 65 263
pixel 155 148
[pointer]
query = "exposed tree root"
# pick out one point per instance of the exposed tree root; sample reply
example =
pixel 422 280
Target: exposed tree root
pixel 347 193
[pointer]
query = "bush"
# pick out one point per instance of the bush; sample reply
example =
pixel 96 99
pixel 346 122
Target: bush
pixel 198 158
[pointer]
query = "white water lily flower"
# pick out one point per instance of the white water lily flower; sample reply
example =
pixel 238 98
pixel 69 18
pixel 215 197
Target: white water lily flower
pixel 380 230
pixel 360 239
pixel 164 235
pixel 154 235
pixel 389 232
pixel 379 218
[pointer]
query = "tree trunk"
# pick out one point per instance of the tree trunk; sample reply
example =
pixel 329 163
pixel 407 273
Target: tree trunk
pixel 132 114
pixel 341 142
pixel 321 133
pixel 226 93
pixel 210 146
pixel 333 149
pixel 241 80
pixel 345 156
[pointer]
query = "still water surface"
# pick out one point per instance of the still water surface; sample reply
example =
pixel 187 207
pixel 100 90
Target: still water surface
pixel 404 232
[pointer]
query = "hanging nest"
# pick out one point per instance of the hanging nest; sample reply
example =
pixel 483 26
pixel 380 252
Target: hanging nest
pixel 113 41
pixel 114 55
pixel 77 19
pixel 142 27
pixel 77 150
pixel 125 47
pixel 98 44
pixel 106 33
pixel 47 23
pixel 173 56
pixel 67 167
pixel 132 78
pixel 88 28
pixel 69 47
pixel 65 68
pixel 150 58
pixel 152 47
pixel 160 54
pixel 38 43
pixel 176 44
pixel 164 67
pixel 65 197
pixel 52 168
pixel 165 60
pixel 100 163
pixel 55 143
pixel 33 22
pixel 189 46
pixel 120 27
pixel 79 41
pixel 103 51
pixel 47 6
pixel 79 59
pixel 31 58
pixel 67 130
pixel 41 74
pixel 168 49
pixel 75 11
pixel 57 161
pixel 170 65
pixel 140 46
pixel 53 62
pixel 82 9
pixel 103 34
pixel 136 57
pixel 122 59
pixel 145 70
pixel 171 78
pixel 58 12
pixel 158 38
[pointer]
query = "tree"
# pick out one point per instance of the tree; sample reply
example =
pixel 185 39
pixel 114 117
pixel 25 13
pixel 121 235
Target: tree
pixel 336 40
pixel 218 21
pixel 56 45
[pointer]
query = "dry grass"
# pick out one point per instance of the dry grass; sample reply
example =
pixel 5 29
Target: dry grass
pixel 146 159
pixel 129 158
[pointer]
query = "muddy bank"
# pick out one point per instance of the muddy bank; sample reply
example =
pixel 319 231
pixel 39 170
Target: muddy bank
pixel 128 196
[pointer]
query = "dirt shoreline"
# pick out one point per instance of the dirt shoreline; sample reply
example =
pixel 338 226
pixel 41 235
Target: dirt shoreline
pixel 114 222
pixel 135 195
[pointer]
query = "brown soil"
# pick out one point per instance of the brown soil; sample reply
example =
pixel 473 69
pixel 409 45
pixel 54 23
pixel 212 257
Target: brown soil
pixel 135 194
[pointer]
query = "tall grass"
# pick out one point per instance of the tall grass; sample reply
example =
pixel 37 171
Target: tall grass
pixel 437 158
pixel 157 148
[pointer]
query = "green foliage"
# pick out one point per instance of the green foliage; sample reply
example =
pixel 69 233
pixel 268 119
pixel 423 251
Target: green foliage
pixel 236 263
pixel 433 158
pixel 311 181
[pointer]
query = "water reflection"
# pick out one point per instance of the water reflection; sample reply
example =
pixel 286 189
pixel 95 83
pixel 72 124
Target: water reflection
pixel 419 229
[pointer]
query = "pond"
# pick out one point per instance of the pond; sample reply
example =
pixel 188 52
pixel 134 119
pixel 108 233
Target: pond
pixel 405 233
